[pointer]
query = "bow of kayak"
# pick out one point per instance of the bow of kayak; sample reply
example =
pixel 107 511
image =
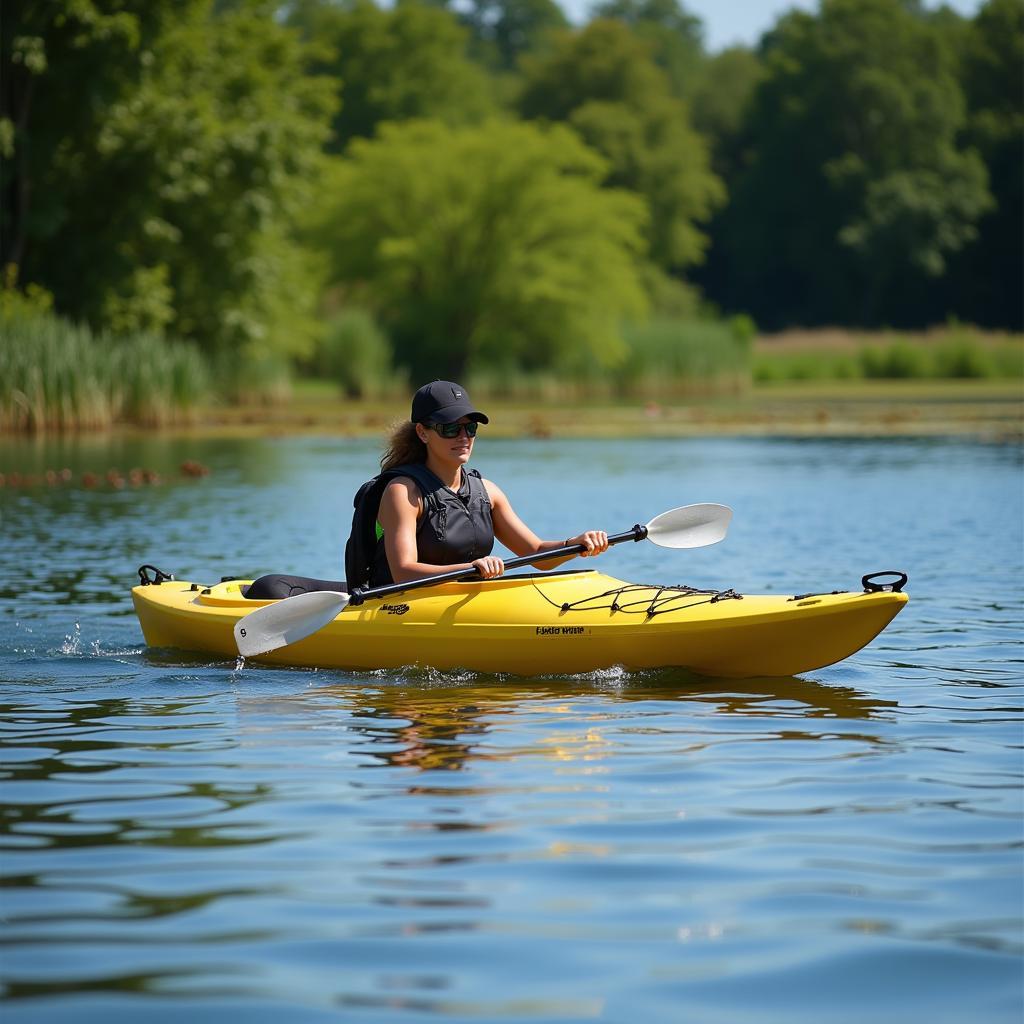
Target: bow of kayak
pixel 542 624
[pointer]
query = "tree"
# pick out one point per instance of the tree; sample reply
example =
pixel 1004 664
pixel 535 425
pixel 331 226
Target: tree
pixel 676 37
pixel 174 207
pixel 61 65
pixel 720 99
pixel 398 64
pixel 502 31
pixel 855 192
pixel 989 272
pixel 491 243
pixel 603 83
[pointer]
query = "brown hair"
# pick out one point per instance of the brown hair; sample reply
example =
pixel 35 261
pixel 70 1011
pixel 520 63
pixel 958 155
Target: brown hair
pixel 403 446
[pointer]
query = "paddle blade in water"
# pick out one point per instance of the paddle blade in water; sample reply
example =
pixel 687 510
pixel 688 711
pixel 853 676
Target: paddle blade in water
pixel 287 622
pixel 693 526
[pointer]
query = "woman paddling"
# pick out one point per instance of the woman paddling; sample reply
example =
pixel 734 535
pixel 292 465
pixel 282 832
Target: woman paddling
pixel 434 513
pixel 426 513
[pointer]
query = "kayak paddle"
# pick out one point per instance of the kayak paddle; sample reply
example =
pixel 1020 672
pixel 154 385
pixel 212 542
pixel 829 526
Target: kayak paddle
pixel 294 618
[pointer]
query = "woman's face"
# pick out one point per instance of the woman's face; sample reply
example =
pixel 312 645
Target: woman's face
pixel 448 449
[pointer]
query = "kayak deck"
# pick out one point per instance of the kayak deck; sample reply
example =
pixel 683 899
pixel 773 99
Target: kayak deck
pixel 542 624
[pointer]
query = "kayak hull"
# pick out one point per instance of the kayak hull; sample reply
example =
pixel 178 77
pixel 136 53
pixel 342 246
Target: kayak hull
pixel 561 623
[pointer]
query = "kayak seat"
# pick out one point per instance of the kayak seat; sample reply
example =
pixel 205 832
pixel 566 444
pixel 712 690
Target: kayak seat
pixel 276 586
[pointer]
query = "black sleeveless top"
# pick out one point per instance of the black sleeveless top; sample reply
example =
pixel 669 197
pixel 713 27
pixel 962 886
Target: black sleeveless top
pixel 455 526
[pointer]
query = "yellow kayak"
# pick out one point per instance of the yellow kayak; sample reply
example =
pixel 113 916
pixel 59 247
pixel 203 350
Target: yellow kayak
pixel 541 624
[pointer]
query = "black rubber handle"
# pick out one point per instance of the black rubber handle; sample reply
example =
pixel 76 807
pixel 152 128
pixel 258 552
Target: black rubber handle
pixel 158 575
pixel 895 586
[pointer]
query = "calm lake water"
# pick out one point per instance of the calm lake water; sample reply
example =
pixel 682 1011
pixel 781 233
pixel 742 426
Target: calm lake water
pixel 185 840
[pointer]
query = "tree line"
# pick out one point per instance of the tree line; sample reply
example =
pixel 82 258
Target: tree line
pixel 486 185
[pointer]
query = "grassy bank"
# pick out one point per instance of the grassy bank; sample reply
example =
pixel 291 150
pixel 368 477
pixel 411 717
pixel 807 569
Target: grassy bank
pixel 986 409
pixel 678 378
pixel 662 359
pixel 949 353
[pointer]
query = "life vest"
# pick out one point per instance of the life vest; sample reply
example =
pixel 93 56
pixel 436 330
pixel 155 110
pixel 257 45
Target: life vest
pixel 453 527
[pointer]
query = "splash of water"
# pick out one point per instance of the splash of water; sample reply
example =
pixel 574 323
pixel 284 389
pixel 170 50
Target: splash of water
pixel 72 641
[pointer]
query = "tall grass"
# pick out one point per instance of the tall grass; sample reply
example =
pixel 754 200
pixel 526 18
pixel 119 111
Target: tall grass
pixel 356 354
pixel 952 353
pixel 664 358
pixel 55 375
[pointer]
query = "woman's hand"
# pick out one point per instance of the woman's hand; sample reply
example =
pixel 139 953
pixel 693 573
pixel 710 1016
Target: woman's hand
pixel 489 567
pixel 595 541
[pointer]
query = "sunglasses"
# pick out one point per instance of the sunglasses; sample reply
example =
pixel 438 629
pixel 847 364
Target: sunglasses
pixel 452 430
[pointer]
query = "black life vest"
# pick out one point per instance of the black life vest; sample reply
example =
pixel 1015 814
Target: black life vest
pixel 454 527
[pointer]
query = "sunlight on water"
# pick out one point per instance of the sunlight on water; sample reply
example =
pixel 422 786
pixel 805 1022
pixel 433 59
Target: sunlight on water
pixel 204 839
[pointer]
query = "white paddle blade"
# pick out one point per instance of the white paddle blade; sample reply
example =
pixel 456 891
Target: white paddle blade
pixel 287 621
pixel 693 526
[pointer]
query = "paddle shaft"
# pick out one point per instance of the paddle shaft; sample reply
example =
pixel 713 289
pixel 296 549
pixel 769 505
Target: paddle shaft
pixel 360 594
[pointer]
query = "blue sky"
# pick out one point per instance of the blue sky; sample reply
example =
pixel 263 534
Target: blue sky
pixel 727 22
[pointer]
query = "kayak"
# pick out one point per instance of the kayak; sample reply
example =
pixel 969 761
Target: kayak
pixel 542 624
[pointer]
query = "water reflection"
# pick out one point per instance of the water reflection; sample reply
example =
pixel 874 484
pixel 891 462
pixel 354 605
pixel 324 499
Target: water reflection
pixel 433 725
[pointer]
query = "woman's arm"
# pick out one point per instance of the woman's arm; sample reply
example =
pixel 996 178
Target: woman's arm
pixel 399 510
pixel 518 537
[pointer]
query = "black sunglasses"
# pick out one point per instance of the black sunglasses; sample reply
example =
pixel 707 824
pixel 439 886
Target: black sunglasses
pixel 452 430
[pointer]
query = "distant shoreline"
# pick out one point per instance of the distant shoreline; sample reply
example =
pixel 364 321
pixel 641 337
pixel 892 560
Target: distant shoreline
pixel 985 410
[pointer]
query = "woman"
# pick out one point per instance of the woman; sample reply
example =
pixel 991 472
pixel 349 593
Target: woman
pixel 426 513
pixel 435 515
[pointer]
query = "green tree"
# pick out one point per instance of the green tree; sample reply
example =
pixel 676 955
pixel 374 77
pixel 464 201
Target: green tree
pixel 61 65
pixel 676 37
pixel 990 271
pixel 174 207
pixel 485 244
pixel 395 64
pixel 857 191
pixel 721 96
pixel 502 31
pixel 603 83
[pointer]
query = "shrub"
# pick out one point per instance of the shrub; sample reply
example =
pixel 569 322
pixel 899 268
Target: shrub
pixel 356 353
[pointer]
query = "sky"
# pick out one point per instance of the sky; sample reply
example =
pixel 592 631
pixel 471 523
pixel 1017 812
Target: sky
pixel 728 22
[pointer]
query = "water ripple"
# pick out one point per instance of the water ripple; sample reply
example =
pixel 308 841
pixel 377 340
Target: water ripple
pixel 182 838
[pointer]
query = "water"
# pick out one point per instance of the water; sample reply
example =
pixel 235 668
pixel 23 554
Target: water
pixel 185 840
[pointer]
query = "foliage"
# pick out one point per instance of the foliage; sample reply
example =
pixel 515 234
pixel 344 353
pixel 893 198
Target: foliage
pixel 955 353
pixel 356 354
pixel 485 243
pixel 665 357
pixel 157 157
pixel 674 35
pixel 720 98
pixel 21 305
pixel 55 375
pixel 502 31
pixel 602 81
pixel 672 357
pixel 857 190
pixel 394 64
pixel 988 275
pixel 61 65
pixel 173 207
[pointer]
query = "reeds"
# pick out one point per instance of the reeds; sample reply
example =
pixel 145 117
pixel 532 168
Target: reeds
pixel 671 358
pixel 56 375
pixel 664 358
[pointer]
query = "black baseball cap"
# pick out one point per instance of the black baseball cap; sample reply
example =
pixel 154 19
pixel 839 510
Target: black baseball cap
pixel 443 401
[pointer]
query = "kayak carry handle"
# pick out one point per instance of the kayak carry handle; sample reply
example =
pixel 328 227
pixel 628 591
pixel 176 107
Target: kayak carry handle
pixel 893 586
pixel 158 577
